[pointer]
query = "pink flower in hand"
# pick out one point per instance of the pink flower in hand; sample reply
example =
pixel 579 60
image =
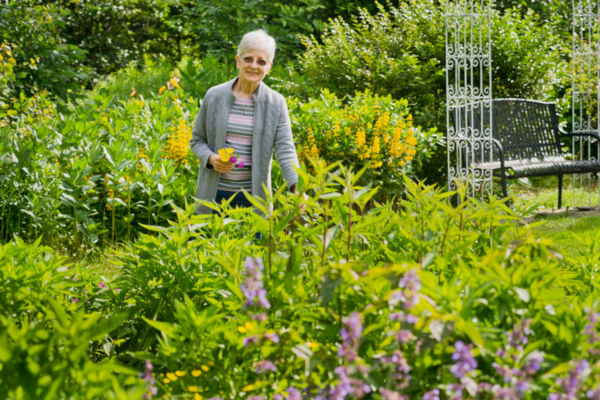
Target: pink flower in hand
pixel 241 164
pixel 233 159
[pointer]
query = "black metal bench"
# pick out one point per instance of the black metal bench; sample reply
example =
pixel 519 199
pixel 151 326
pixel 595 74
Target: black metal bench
pixel 525 141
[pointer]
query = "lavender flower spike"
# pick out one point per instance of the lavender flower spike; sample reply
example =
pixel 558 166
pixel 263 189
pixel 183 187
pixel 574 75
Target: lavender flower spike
pixel 253 288
pixel 465 362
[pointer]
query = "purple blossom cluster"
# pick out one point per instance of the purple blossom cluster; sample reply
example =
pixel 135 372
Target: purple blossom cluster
pixel 293 394
pixel 401 367
pixel 348 386
pixel 253 288
pixel 570 385
pixel 265 366
pixel 350 333
pixel 519 376
pixel 408 295
pixel 464 360
pixel 591 330
pixel 149 379
pixel 518 336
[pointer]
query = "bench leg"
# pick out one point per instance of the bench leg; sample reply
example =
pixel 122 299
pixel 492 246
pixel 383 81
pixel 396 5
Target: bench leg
pixel 504 189
pixel 560 182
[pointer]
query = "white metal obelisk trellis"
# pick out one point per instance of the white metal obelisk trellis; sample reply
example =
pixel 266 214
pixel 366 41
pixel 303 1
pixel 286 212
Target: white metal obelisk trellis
pixel 469 91
pixel 586 93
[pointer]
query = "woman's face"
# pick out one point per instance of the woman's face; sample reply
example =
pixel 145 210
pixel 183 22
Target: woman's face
pixel 253 65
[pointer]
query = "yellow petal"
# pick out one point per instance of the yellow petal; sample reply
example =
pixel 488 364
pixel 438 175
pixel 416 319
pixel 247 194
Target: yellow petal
pixel 230 151
pixel 193 389
pixel 180 373
pixel 197 397
pixel 248 325
pixel 196 373
pixel 161 90
pixel 204 368
pixel 171 376
pixel 166 380
pixel 242 329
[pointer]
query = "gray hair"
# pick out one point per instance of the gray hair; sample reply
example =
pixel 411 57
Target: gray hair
pixel 258 39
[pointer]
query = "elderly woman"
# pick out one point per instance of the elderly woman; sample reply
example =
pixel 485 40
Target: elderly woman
pixel 246 115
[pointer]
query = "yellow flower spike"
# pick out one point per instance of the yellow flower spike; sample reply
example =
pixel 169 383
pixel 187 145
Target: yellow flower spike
pixel 196 373
pixel 180 373
pixel 193 389
pixel 204 368
pixel 171 376
pixel 197 397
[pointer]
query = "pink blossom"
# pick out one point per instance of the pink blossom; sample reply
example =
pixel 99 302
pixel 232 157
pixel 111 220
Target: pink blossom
pixel 241 164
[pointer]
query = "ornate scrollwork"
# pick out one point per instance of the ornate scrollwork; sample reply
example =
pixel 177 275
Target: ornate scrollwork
pixel 468 93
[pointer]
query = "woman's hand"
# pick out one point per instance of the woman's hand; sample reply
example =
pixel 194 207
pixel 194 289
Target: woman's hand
pixel 218 165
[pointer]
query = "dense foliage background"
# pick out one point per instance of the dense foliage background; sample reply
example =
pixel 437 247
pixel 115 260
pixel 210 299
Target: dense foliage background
pixel 378 287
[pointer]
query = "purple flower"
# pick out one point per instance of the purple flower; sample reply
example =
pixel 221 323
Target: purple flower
pixel 570 384
pixel 233 159
pixel 101 285
pixel 117 290
pixel 503 371
pixel 272 337
pixel 256 398
pixel 533 364
pixel 147 377
pixel 75 278
pixel 253 288
pixel 347 386
pixel 260 317
pixel 264 366
pixel 250 340
pixel 593 394
pixel 293 394
pixel 455 390
pixel 518 336
pixel 465 362
pixel 404 336
pixel 241 164
pixel 75 301
pixel 432 395
pixel 410 281
pixel 353 327
pixel 350 333
pixel 391 395
pixel 522 387
pixel 411 319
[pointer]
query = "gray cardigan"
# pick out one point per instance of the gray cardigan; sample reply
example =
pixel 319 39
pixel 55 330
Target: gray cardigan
pixel 272 131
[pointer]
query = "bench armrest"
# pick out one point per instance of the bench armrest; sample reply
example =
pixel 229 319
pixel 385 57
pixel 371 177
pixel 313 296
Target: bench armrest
pixel 563 132
pixel 498 145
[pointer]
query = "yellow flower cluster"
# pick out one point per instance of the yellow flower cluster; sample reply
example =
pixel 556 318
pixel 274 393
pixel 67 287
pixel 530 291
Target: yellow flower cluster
pixel 174 376
pixel 141 154
pixel 178 144
pixel 312 152
pixel 225 154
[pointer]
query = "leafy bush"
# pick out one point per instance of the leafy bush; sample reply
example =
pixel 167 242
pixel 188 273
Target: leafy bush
pixel 44 60
pixel 337 300
pixel 401 53
pixel 44 339
pixel 368 131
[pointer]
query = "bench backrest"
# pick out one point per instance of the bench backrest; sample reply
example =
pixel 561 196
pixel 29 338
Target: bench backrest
pixel 525 128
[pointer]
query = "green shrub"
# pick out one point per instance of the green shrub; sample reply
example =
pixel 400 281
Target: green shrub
pixel 336 295
pixel 368 130
pixel 401 52
pixel 44 59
